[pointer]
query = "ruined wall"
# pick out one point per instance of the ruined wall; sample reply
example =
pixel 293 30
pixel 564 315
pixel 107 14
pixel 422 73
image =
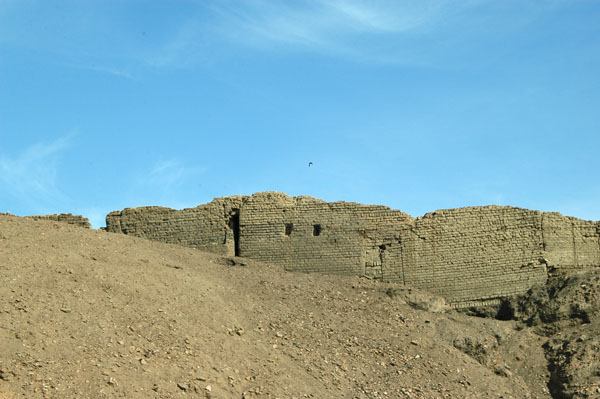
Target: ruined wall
pixel 570 244
pixel 462 254
pixel 64 217
pixel 477 252
pixel 309 235
pixel 208 227
pixel 468 255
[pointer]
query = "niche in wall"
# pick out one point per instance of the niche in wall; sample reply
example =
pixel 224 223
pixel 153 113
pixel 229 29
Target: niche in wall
pixel 316 230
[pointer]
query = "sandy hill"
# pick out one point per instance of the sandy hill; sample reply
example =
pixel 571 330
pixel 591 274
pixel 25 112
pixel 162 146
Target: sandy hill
pixel 91 314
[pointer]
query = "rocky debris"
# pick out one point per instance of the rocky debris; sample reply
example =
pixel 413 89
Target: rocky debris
pixel 6 375
pixel 182 386
pixel 574 299
pixel 479 348
pixel 420 300
pixel 487 311
pixel 574 364
pixel 566 310
pixel 234 261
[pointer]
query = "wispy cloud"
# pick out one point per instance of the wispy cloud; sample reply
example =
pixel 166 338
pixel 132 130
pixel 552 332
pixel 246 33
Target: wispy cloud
pixel 31 176
pixel 429 33
pixel 168 174
pixel 164 183
pixel 344 27
pixel 377 31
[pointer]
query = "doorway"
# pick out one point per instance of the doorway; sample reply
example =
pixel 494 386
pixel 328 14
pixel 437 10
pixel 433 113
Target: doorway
pixel 234 225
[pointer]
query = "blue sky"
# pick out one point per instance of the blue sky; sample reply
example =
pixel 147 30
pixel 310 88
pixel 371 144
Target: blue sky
pixel 418 105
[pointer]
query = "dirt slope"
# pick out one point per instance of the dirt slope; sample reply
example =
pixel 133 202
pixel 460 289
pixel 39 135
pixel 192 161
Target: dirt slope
pixel 90 314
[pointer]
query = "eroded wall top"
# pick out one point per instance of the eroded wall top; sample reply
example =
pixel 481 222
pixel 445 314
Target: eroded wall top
pixel 64 217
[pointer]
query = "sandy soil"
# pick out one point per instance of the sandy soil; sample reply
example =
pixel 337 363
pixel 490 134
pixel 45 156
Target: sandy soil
pixel 90 314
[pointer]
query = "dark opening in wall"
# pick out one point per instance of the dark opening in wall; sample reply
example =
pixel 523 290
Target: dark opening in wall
pixel 234 225
pixel 288 229
pixel 316 229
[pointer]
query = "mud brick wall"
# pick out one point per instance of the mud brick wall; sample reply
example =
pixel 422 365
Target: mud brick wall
pixel 463 254
pixel 570 244
pixel 281 230
pixel 207 227
pixel 309 235
pixel 476 253
pixel 468 255
pixel 66 218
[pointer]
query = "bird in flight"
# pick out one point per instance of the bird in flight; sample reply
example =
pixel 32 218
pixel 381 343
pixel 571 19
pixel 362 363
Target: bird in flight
pixel 309 164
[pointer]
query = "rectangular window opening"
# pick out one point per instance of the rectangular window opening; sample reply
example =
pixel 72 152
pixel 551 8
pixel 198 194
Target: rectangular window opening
pixel 316 229
pixel 288 229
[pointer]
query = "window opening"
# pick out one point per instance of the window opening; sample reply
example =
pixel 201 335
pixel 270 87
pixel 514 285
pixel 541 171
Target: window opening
pixel 316 229
pixel 288 229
